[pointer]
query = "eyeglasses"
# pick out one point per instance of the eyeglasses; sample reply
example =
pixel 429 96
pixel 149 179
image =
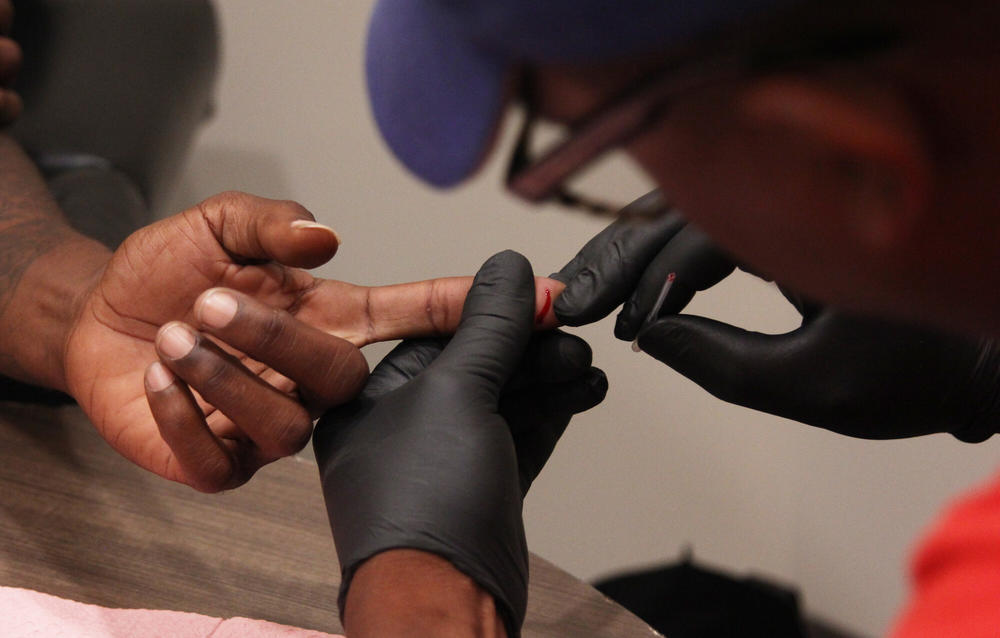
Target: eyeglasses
pixel 544 178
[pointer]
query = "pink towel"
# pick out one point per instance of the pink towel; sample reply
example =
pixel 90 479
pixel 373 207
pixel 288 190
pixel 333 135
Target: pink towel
pixel 31 614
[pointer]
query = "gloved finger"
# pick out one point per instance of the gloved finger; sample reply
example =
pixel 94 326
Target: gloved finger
pixel 403 363
pixel 697 264
pixel 806 307
pixel 277 423
pixel 327 369
pixel 254 228
pixel 607 268
pixel 206 463
pixel 525 408
pixel 597 246
pixel 538 422
pixel 497 323
pixel 735 365
pixel 551 357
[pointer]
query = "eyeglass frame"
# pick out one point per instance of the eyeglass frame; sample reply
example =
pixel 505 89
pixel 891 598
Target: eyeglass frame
pixel 642 104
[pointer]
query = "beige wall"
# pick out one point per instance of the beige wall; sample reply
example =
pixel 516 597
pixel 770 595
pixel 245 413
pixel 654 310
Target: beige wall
pixel 661 464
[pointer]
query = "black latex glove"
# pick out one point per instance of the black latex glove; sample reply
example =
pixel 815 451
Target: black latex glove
pixel 629 261
pixel 439 449
pixel 854 375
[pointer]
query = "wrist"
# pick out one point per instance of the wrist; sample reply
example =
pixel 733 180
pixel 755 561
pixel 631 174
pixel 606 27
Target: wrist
pixel 404 592
pixel 43 307
pixel 45 271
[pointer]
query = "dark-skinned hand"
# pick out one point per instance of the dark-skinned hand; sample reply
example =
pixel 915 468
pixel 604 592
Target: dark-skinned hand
pixel 202 351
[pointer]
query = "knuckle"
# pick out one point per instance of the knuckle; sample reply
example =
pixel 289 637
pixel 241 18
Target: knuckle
pixel 215 210
pixel 295 209
pixel 210 373
pixel 212 482
pixel 293 433
pixel 437 308
pixel 344 378
pixel 228 198
pixel 222 203
pixel 272 333
pixel 212 475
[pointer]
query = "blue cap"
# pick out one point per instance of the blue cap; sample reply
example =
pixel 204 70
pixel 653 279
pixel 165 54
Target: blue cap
pixel 436 68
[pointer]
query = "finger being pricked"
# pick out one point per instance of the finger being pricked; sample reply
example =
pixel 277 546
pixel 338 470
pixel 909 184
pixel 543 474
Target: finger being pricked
pixel 434 308
pixel 277 423
pixel 206 462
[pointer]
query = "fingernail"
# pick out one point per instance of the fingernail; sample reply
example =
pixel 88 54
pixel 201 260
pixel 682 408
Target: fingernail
pixel 217 309
pixel 159 377
pixel 175 341
pixel 305 224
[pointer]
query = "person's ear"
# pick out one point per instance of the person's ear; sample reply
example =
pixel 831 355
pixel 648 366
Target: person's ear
pixel 869 141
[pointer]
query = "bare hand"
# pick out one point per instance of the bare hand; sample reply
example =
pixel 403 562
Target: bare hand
pixel 250 346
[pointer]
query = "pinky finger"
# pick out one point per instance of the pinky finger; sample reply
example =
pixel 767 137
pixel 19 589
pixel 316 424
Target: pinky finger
pixel 205 462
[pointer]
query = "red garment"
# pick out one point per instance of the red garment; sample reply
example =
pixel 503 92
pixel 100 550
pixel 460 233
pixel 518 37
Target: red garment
pixel 956 573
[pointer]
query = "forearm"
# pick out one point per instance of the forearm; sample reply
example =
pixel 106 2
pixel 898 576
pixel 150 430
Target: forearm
pixel 45 269
pixel 416 594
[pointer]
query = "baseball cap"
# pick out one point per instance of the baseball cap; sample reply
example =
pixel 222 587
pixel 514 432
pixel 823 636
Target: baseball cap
pixel 436 69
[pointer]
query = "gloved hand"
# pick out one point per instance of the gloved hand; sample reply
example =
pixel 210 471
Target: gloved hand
pixel 441 446
pixel 858 376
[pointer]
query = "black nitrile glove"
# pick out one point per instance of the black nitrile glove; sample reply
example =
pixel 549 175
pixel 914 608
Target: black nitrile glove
pixel 629 261
pixel 858 376
pixel 439 449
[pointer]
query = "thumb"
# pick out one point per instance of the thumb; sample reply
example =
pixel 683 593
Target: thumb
pixel 497 321
pixel 601 275
pixel 406 361
pixel 697 263
pixel 732 364
pixel 254 228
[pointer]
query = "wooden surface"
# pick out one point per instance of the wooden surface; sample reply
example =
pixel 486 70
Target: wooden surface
pixel 80 522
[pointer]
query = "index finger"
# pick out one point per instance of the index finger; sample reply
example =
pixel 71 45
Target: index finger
pixel 434 307
pixel 430 308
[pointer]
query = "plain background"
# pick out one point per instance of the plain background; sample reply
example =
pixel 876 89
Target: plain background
pixel 661 465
